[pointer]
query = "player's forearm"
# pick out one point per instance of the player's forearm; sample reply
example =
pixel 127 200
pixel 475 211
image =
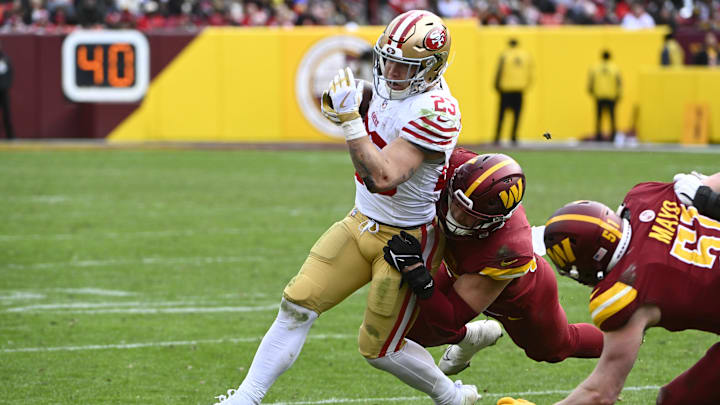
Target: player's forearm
pixel 383 170
pixel 713 182
pixel 583 395
pixel 371 166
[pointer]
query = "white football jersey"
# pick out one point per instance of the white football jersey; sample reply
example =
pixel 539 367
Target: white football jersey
pixel 430 120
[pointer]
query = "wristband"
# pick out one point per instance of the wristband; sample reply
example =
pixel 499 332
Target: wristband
pixel 354 129
pixel 707 202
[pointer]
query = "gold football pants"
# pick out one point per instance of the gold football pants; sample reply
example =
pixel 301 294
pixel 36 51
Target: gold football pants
pixel 350 255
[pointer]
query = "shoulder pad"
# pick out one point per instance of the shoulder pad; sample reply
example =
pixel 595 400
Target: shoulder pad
pixel 433 121
pixel 610 309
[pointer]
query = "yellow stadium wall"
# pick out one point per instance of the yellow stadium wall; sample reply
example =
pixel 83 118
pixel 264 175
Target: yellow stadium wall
pixel 665 94
pixel 238 84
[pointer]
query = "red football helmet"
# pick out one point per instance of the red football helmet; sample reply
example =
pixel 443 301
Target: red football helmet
pixel 585 239
pixel 481 195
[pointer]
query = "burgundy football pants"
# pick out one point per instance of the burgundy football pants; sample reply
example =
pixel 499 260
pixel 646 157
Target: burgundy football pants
pixel 700 384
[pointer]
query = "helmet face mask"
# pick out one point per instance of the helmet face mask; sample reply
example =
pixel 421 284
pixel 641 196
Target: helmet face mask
pixel 482 195
pixel 417 39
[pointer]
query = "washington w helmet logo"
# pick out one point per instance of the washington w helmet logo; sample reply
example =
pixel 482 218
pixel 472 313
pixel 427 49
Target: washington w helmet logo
pixel 512 196
pixel 562 253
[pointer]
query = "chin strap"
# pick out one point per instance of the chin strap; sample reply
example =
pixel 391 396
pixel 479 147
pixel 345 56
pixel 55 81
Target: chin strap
pixel 707 202
pixel 622 245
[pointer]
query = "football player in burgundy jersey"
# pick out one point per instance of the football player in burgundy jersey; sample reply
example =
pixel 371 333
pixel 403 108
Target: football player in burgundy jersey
pixel 654 263
pixel 490 266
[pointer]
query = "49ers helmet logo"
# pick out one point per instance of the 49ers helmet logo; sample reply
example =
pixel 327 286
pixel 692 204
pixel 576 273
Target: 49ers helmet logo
pixel 435 38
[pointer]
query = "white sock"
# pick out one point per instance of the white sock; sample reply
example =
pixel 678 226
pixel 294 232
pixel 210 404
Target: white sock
pixel 278 351
pixel 416 367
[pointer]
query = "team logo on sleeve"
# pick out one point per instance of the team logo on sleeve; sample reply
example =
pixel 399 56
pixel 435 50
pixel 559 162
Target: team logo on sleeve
pixel 435 38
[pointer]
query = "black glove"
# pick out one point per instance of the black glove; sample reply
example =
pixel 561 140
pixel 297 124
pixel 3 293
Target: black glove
pixel 403 251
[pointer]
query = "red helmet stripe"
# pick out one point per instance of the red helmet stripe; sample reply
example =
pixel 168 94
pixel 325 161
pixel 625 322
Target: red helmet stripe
pixel 487 174
pixel 405 28
pixel 585 218
pixel 409 27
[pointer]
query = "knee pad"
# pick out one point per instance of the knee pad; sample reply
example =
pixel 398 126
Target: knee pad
pixel 294 315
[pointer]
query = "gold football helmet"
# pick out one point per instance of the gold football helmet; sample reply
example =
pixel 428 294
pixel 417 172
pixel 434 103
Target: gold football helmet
pixel 418 39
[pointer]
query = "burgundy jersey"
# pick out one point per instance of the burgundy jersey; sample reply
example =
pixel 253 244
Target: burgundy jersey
pixel 506 253
pixel 672 262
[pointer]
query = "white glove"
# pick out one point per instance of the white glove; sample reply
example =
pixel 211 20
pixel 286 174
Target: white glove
pixel 327 110
pixel 686 186
pixel 346 95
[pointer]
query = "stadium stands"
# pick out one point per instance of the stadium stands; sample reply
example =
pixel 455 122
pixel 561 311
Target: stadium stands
pixel 66 15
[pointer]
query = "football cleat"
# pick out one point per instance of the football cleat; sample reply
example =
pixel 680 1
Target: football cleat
pixel 468 393
pixel 231 398
pixel 480 334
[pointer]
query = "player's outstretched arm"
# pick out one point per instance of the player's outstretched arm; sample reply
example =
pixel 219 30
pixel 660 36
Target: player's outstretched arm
pixel 700 191
pixel 713 182
pixel 620 350
pixel 479 291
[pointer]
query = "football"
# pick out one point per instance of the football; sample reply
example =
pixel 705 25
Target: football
pixel 366 98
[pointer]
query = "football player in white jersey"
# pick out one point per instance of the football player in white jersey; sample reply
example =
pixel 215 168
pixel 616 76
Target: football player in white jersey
pixel 400 150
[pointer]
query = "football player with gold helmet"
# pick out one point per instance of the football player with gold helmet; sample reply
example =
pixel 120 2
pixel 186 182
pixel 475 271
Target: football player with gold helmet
pixel 400 149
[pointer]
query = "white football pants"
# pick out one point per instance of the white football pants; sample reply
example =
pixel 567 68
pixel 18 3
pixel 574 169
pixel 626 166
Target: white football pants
pixel 415 367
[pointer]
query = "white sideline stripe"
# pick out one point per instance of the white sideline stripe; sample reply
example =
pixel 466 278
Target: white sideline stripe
pixel 148 234
pixel 136 308
pixel 183 310
pixel 21 295
pixel 527 394
pixel 144 261
pixel 160 344
pixel 91 305
pixel 96 291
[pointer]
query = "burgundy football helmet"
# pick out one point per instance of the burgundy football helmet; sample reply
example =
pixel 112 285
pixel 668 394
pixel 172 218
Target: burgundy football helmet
pixel 481 195
pixel 585 239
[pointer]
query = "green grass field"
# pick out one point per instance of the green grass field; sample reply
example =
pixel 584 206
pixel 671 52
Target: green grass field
pixel 149 276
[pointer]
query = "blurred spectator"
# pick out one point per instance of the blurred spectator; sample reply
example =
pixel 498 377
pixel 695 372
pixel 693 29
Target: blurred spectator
pixel 6 76
pixel 90 13
pixel 672 53
pixel 605 86
pixel 638 18
pixel 493 12
pixel 710 54
pixel 513 77
pixel 64 15
pixel 454 9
